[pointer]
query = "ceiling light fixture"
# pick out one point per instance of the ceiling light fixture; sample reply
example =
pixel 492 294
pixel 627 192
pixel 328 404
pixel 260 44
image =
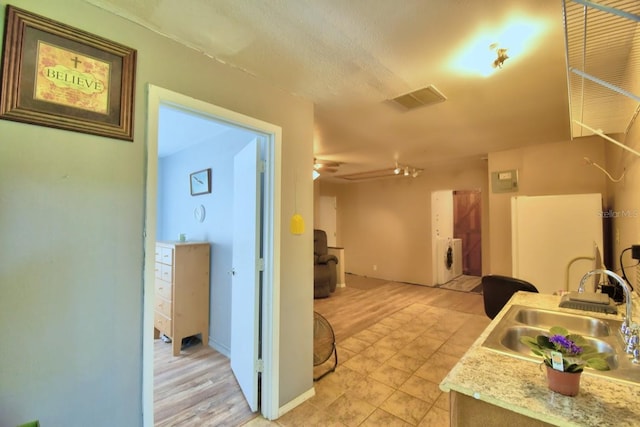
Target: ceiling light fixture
pixel 502 55
pixel 406 170
pixel 522 34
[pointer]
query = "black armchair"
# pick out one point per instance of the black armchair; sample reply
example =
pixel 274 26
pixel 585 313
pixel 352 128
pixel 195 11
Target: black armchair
pixel 324 266
pixel 497 290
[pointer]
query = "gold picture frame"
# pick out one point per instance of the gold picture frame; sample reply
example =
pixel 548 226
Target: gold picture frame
pixel 63 77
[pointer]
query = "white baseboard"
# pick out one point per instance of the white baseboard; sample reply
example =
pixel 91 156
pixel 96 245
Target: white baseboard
pixel 220 348
pixel 297 401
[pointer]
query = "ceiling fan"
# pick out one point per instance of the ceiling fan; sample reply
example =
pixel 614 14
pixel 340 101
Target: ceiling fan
pixel 325 165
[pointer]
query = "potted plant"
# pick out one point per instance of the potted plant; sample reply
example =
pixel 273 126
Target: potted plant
pixel 565 355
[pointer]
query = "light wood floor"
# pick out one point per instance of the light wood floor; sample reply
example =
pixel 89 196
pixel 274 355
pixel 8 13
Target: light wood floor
pixel 198 388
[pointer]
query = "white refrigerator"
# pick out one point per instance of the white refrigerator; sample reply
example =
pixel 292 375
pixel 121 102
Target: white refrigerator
pixel 556 239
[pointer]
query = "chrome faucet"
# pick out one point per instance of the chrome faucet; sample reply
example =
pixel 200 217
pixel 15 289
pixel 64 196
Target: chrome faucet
pixel 584 280
pixel 621 282
pixel 628 329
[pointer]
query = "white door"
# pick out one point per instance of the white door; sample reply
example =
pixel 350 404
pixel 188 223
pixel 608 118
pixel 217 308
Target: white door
pixel 245 316
pixel 327 220
pixel 441 225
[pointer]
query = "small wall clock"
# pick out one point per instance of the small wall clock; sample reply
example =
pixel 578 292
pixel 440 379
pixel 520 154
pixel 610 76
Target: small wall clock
pixel 201 182
pixel 199 213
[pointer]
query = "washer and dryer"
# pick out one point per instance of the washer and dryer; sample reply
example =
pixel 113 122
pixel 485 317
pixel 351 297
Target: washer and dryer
pixel 449 259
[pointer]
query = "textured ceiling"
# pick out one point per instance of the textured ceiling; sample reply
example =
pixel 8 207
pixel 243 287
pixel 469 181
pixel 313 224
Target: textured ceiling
pixel 351 57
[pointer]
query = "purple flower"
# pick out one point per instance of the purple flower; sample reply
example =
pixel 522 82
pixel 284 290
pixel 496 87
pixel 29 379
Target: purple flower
pixel 566 345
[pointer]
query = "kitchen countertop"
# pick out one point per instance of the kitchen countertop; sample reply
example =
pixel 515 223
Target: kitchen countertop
pixel 520 386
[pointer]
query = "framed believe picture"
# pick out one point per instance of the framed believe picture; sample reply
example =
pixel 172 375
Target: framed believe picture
pixel 59 76
pixel 201 182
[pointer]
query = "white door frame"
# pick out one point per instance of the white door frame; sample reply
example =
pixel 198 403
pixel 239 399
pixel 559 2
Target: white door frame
pixel 272 219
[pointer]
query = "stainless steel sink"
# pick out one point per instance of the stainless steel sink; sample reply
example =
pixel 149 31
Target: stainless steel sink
pixel 603 334
pixel 582 325
pixel 511 340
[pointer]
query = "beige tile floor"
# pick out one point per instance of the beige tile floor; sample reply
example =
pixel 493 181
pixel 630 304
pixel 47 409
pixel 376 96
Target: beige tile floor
pixel 388 374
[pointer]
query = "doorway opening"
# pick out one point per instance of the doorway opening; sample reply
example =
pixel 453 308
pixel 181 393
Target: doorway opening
pixel 456 223
pixel 467 225
pixel 270 136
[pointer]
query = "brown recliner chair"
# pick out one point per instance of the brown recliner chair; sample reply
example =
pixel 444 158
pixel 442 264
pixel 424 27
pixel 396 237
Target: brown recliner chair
pixel 325 275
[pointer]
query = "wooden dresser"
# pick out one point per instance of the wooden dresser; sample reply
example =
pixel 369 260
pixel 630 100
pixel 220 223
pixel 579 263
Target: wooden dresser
pixel 182 291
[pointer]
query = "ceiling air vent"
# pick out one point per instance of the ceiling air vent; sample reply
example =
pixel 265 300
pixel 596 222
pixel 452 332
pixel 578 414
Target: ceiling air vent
pixel 418 98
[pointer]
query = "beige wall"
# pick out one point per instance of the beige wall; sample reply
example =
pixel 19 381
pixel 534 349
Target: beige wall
pixel 387 222
pixel 71 252
pixel 546 169
pixel 625 200
pixel 625 195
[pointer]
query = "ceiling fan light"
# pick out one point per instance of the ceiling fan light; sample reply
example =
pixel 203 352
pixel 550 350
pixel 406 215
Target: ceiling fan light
pixel 406 171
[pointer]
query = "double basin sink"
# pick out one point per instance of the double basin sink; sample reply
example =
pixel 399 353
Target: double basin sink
pixel 603 334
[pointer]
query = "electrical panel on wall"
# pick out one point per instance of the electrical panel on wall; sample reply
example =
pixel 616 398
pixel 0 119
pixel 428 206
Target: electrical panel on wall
pixel 504 181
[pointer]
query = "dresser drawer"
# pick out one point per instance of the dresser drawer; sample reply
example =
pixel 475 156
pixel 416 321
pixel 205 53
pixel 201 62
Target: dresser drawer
pixel 166 255
pixel 163 307
pixel 158 270
pixel 166 273
pixel 163 289
pixel 158 254
pixel 162 323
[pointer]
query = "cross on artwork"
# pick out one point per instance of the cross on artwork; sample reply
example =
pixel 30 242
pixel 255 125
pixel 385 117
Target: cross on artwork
pixel 75 62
